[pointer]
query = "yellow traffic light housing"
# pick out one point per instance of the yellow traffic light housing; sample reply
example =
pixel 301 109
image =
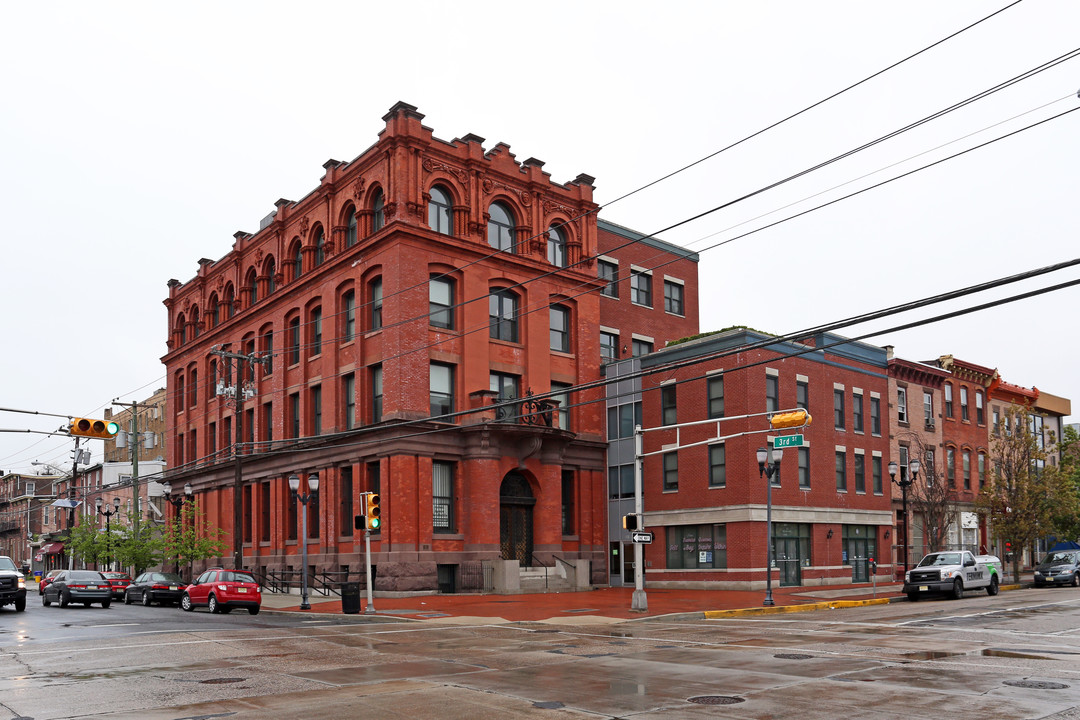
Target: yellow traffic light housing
pixel 791 419
pixel 372 512
pixel 84 427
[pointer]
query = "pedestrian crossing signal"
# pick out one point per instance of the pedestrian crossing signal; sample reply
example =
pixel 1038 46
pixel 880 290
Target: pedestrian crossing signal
pixel 631 522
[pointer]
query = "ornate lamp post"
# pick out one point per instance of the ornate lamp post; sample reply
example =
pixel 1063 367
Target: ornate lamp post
pixel 905 483
pixel 178 503
pixel 313 490
pixel 768 461
pixel 103 509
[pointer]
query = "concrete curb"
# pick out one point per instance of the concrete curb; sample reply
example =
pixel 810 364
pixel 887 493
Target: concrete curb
pixel 808 607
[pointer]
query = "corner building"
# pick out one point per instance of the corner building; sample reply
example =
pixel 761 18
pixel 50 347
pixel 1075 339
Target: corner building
pixel 412 327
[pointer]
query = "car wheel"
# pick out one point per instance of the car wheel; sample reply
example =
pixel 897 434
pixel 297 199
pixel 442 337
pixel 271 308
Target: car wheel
pixel 146 598
pixel 957 589
pixel 185 603
pixel 104 604
pixel 1075 579
pixel 127 598
pixel 253 611
pixel 212 605
pixel 45 601
pixel 913 597
pixel 993 589
pixel 64 599
pixel 20 604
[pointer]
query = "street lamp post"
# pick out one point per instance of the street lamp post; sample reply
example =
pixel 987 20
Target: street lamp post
pixel 905 483
pixel 103 509
pixel 178 503
pixel 768 461
pixel 313 490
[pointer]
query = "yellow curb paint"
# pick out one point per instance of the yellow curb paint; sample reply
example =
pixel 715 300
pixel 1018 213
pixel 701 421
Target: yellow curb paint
pixel 776 609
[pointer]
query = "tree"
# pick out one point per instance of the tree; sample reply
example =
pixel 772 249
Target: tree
pixel 1024 495
pixel 932 499
pixel 189 537
pixel 138 551
pixel 86 541
pixel 1067 515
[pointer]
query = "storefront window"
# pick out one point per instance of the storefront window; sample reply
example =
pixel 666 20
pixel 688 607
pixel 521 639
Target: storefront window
pixel 697 546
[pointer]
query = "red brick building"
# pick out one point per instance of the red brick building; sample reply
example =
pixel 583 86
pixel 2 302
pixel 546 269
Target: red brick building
pixel 707 505
pixel 404 326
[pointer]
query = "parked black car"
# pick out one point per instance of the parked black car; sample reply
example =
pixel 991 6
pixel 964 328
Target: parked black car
pixel 80 586
pixel 1059 567
pixel 159 587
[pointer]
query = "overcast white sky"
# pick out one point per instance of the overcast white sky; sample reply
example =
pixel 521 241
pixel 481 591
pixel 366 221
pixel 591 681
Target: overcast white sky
pixel 136 138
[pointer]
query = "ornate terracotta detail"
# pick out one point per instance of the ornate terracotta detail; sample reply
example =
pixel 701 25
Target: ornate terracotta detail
pixel 462 176
pixel 304 224
pixel 489 186
pixel 358 189
pixel 258 256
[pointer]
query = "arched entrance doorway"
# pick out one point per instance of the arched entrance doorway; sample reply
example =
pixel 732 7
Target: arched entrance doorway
pixel 516 503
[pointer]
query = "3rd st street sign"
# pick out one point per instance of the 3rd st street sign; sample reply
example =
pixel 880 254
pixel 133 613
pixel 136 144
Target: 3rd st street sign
pixel 786 441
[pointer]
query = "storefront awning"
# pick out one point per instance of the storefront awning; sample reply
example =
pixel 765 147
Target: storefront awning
pixel 52 548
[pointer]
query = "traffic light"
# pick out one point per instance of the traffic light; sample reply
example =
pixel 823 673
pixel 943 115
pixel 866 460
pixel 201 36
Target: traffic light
pixel 795 418
pixel 631 522
pixel 873 566
pixel 104 429
pixel 372 512
pixel 1008 548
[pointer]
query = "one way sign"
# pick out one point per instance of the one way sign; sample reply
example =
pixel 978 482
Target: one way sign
pixel 641 537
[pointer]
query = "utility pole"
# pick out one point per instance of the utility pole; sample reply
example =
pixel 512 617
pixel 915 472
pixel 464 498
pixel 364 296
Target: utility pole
pixel 71 500
pixel 134 445
pixel 237 392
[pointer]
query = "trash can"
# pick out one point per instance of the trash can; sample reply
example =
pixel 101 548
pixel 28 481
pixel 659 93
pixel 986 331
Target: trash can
pixel 350 598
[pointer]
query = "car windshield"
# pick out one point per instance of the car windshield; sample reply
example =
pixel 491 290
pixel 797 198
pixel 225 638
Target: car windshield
pixel 237 577
pixel 940 559
pixel 1056 558
pixel 7 563
pixel 84 575
pixel 166 577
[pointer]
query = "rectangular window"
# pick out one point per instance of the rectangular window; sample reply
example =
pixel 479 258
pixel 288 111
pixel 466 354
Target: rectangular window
pixel 901 405
pixel 802 394
pixel 804 468
pixel 841 471
pixel 715 386
pixel 950 466
pixel 671 471
pixel 673 298
pixel 640 347
pixel 348 301
pixel 316 331
pixel 226 431
pixel 503 315
pixel 442 496
pixel 982 470
pixel 562 396
pixel 621 481
pixel 948 400
pixel 508 388
pixel 292 517
pixel 268 353
pixel 875 465
pixel 348 393
pixel 609 346
pixel 667 405
pixel 559 328
pixel 696 546
pixel 966 459
pixel 264 512
pixel 860 473
pixel 640 288
pixel 930 469
pixel 441 302
pixel 838 409
pixel 963 403
pixel 568 494
pixel 621 420
pixel 268 422
pixel 249 425
pixel 247 512
pixel 294 341
pixel 980 411
pixel 375 289
pixel 717 465
pixel 294 415
pixel 211 439
pixel 314 517
pixel 316 410
pixel 376 394
pixel 772 393
pixel 856 413
pixel 997 422
pixel 609 272
pixel 928 408
pixel 875 415
pixel 441 384
pixel 345 500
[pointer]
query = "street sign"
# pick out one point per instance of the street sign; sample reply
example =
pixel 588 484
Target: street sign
pixel 785 441
pixel 641 537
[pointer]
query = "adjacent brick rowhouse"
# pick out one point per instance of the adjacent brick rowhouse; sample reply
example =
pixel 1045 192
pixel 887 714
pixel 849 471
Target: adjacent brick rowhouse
pixel 365 296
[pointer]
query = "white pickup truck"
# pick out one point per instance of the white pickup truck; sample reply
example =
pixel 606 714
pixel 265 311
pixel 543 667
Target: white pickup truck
pixel 952 573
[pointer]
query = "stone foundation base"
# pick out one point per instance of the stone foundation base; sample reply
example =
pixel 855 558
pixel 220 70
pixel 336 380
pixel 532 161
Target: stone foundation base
pixel 406 577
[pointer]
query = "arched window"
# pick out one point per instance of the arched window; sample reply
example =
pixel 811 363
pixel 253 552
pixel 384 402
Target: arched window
pixel 320 247
pixel 556 247
pixel 350 226
pixel 297 260
pixel 375 302
pixel 500 231
pixel 378 211
pixel 271 270
pixel 230 304
pixel 194 322
pixel 252 283
pixel 215 311
pixel 502 312
pixel 211 386
pixel 439 211
pixel 181 329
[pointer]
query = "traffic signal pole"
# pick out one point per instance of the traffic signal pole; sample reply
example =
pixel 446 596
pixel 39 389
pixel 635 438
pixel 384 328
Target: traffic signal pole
pixel 134 442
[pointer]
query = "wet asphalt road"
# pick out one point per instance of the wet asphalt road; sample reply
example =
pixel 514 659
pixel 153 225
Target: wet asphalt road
pixel 1012 656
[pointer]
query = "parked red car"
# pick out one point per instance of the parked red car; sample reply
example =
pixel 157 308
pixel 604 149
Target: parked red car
pixel 118 581
pixel 222 590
